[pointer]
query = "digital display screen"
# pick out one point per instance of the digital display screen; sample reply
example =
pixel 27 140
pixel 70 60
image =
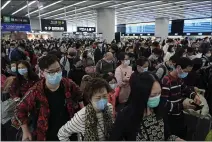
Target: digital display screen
pixel 14 20
pixel 198 25
pixel 86 29
pixel 53 25
pixel 143 28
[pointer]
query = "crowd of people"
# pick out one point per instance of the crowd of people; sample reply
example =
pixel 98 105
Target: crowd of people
pixel 91 90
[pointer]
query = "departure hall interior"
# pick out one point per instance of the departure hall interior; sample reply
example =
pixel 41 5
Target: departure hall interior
pixel 106 70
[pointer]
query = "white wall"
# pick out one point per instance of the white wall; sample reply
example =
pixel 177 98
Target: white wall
pixel 106 23
pixel 162 27
pixel 72 26
pixel 35 24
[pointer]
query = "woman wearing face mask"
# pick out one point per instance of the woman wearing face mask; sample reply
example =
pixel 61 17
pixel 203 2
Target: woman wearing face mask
pixel 17 87
pixel 142 119
pixel 114 93
pixel 93 122
pixel 206 55
pixel 122 74
pixel 25 79
pixel 170 53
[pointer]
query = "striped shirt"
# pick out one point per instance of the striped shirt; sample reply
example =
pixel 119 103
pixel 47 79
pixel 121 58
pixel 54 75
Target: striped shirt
pixel 174 91
pixel 77 125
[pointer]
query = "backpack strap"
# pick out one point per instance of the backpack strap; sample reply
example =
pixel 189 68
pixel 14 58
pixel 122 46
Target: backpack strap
pixel 164 70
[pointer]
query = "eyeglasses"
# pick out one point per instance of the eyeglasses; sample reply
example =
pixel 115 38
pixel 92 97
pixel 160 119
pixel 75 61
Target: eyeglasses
pixel 51 73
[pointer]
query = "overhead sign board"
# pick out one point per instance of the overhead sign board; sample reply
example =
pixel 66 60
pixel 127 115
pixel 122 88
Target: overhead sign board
pixel 15 27
pixel 15 20
pixel 86 29
pixel 53 25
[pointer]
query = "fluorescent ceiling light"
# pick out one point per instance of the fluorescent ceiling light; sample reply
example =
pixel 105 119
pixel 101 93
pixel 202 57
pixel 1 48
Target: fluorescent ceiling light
pixel 122 4
pixel 143 4
pixel 85 16
pixel 5 4
pixel 74 14
pixel 23 7
pixel 63 8
pixel 41 8
pixel 79 9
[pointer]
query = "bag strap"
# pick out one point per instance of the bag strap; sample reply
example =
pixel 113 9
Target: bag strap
pixel 164 71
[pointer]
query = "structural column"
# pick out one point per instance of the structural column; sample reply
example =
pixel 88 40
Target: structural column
pixel 106 23
pixel 162 27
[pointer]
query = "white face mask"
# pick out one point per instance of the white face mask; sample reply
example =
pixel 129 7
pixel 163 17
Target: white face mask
pixel 113 86
pixel 127 62
pixel 208 54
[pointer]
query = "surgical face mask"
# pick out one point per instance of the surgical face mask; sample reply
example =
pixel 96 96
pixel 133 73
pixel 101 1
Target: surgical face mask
pixel 154 57
pixel 208 54
pixel 54 79
pixel 127 62
pixel 113 86
pixel 13 69
pixel 141 69
pixel 101 104
pixel 22 71
pixel 153 102
pixel 183 75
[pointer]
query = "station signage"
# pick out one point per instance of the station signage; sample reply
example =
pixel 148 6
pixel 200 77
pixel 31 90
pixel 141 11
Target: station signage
pixel 15 27
pixel 14 20
pixel 53 25
pixel 86 29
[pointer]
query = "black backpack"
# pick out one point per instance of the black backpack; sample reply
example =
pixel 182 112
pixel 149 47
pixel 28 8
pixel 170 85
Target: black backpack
pixel 164 70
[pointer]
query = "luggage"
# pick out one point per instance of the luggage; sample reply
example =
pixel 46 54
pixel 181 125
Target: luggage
pixel 7 110
pixel 198 126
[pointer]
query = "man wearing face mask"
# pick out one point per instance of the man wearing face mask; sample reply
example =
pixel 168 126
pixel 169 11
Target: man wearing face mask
pixel 164 68
pixel 15 54
pixel 54 100
pixel 106 65
pixel 155 58
pixel 174 92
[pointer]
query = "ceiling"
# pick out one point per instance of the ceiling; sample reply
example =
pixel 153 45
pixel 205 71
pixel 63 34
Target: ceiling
pixel 126 11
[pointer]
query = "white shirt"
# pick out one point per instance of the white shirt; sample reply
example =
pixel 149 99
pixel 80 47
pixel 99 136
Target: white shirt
pixel 77 125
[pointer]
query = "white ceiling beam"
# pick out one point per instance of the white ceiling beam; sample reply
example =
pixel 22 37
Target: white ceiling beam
pixel 6 3
pixel 23 7
pixel 75 4
pixel 122 4
pixel 72 11
pixel 73 15
pixel 44 7
pixel 157 7
pixel 142 4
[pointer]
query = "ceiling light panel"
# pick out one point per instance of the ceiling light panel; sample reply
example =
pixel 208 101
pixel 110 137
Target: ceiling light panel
pixel 23 7
pixel 73 15
pixel 41 8
pixel 5 4
pixel 158 7
pixel 63 8
pixel 116 5
pixel 90 6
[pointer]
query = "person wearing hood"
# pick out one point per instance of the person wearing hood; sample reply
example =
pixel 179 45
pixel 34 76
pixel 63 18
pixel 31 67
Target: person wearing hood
pixel 142 119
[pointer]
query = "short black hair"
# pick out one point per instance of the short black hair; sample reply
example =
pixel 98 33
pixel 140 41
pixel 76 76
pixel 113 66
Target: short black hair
pixel 169 40
pixel 95 85
pixel 157 51
pixel 121 56
pixel 141 61
pixel 190 50
pixel 184 62
pixel 174 59
pixel 170 48
pixel 155 44
pixel 197 64
pixel 46 61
